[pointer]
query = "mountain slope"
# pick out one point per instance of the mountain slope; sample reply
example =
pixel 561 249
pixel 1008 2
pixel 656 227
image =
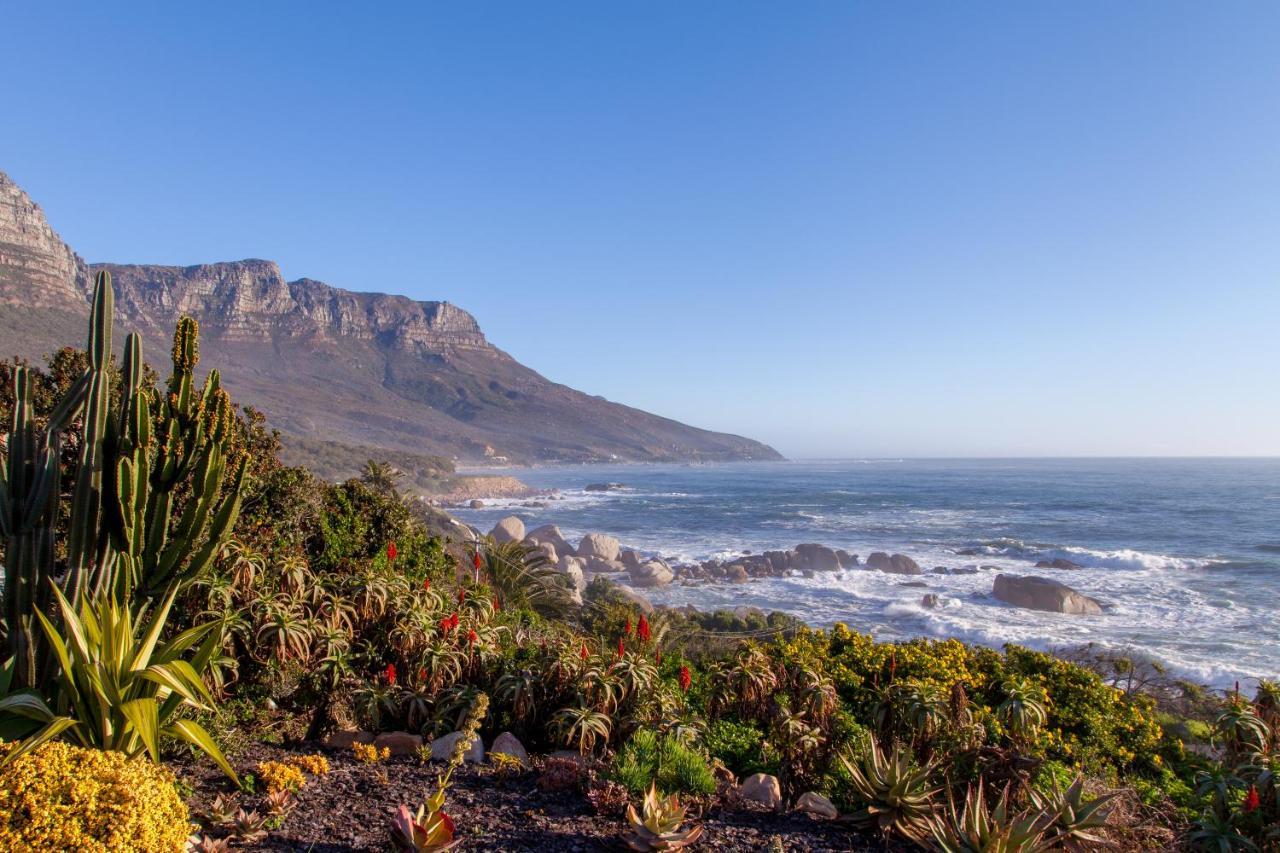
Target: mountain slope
pixel 365 369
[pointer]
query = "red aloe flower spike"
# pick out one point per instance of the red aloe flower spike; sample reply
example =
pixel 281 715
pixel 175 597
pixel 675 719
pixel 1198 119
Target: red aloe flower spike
pixel 1251 800
pixel 426 584
pixel 453 619
pixel 628 628
pixel 642 630
pixel 391 674
pixel 583 653
pixel 391 551
pixel 686 678
pixel 475 560
pixel 497 605
pixel 422 674
pixel 657 656
pixel 445 624
pixel 472 636
pixel 462 595
pixel 622 650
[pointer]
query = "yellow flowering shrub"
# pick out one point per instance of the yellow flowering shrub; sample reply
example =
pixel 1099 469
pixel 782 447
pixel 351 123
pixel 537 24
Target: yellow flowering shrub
pixel 63 797
pixel 367 753
pixel 279 776
pixel 316 765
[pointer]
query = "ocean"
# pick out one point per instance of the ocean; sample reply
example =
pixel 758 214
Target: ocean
pixel 1186 552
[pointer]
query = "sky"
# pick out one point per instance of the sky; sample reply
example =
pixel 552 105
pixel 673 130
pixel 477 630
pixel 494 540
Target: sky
pixel 848 229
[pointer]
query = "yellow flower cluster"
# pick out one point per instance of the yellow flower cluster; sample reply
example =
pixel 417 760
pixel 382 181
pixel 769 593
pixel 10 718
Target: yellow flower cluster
pixel 367 753
pixel 279 776
pixel 316 765
pixel 62 797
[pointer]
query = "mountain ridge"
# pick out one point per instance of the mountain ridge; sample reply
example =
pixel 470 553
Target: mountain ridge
pixel 375 370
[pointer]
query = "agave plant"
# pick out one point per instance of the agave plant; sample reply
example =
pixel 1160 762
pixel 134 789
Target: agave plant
pixel 249 827
pixel 896 797
pixel 657 827
pixel 120 686
pixel 979 829
pixel 1074 816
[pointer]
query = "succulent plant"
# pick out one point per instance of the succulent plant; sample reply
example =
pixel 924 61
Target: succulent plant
pixel 205 844
pixel 896 797
pixel 1074 816
pixel 249 827
pixel 280 801
pixel 979 829
pixel 657 826
pixel 222 810
pixel 425 831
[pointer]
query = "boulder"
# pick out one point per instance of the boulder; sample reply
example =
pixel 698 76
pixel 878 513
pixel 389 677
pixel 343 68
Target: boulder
pixel 509 529
pixel 573 567
pixel 1058 563
pixel 630 596
pixel 399 743
pixel 442 748
pixel 344 738
pixel 549 533
pixel 930 601
pixel 548 550
pixel 476 504
pixel 508 744
pixel 1037 593
pixel 847 561
pixel 735 573
pixel 762 788
pixel 815 558
pixel 599 545
pixel 815 805
pixel 595 565
pixel 603 487
pixel 652 573
pixel 898 564
pixel 779 561
pixel 630 559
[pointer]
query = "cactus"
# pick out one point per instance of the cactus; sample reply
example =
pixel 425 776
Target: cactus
pixel 154 450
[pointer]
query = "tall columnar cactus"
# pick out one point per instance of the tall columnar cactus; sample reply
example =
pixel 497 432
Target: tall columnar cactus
pixel 137 460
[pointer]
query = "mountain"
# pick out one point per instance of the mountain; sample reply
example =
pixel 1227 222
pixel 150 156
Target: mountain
pixel 357 370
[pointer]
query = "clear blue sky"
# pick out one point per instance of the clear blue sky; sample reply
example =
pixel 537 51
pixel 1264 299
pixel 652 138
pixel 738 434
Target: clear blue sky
pixel 854 229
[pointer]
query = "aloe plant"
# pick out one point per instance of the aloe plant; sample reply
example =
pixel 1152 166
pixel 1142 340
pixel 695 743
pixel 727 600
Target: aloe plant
pixel 897 797
pixel 1075 817
pixel 978 829
pixel 657 826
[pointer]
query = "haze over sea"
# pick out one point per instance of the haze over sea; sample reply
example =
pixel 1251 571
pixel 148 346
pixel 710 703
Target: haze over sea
pixel 1185 552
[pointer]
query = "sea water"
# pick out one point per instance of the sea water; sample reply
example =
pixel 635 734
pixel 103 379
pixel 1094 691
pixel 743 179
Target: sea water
pixel 1184 553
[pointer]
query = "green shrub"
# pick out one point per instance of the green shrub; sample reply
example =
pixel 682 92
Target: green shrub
pixel 739 745
pixel 675 768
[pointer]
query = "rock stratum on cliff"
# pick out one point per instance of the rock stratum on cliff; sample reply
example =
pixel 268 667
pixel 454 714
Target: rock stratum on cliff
pixel 368 370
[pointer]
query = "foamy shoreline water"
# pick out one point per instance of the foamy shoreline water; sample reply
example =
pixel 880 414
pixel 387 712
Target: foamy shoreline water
pixel 1203 602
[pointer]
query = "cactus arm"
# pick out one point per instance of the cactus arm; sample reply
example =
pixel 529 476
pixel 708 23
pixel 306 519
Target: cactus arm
pixel 86 499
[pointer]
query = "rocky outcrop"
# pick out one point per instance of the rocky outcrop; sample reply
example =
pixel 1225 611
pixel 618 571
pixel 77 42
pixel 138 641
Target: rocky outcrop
pixel 816 805
pixel 815 558
pixel 1059 563
pixel 1037 593
pixel 897 564
pixel 362 370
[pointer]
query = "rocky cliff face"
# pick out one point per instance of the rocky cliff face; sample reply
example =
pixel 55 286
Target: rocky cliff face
pixel 365 369
pixel 36 268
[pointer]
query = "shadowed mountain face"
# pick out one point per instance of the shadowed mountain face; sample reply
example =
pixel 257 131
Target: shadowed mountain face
pixel 363 369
